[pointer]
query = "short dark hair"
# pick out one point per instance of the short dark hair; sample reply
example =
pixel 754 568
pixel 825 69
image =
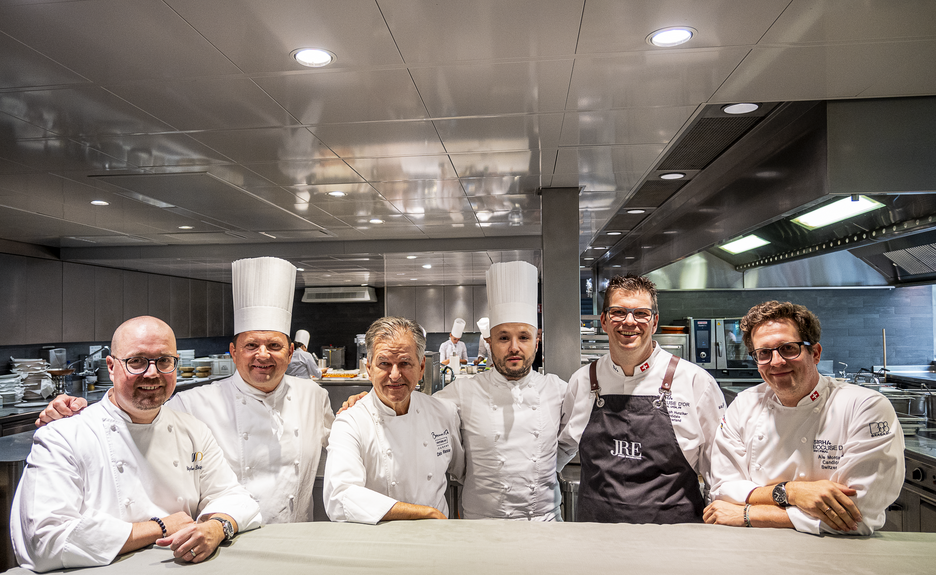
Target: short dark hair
pixel 630 284
pixel 806 321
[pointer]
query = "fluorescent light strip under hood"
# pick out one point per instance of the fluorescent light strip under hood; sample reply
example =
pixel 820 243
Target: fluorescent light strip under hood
pixel 837 211
pixel 744 244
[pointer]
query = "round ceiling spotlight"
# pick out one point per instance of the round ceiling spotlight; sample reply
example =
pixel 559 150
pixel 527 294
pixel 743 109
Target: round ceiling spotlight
pixel 427 266
pixel 313 57
pixel 99 203
pixel 337 194
pixel 185 227
pixel 672 36
pixel 741 108
pixel 376 221
pixel 635 212
pixel 614 233
pixel 673 176
pixel 411 257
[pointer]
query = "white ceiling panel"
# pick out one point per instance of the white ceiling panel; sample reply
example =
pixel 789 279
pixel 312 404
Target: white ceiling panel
pixel 151 150
pixel 377 139
pixel 259 36
pixel 266 144
pixel 417 190
pixel 23 67
pixel 109 40
pixel 509 133
pixel 494 88
pixel 913 75
pixel 312 172
pixel 404 168
pixel 487 29
pixel 333 97
pixel 627 126
pixel 59 154
pixel 830 21
pixel 437 205
pixel 607 160
pixel 504 163
pixel 497 185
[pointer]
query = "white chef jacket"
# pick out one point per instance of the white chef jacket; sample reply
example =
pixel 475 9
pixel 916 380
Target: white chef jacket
pixel 376 458
pixel 840 432
pixel 447 349
pixel 483 349
pixel 696 404
pixel 513 432
pixel 303 365
pixel 89 478
pixel 273 441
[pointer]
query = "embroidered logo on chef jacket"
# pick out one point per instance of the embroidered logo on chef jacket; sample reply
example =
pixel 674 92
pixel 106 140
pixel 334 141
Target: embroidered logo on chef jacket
pixel 814 395
pixel 196 457
pixel 645 366
pixel 827 453
pixel 443 444
pixel 879 428
pixel 627 449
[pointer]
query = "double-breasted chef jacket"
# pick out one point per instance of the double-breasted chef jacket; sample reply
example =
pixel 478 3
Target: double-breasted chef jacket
pixel 302 365
pixel 377 458
pixel 273 441
pixel 516 437
pixel 841 432
pixel 89 478
pixel 448 349
pixel 695 404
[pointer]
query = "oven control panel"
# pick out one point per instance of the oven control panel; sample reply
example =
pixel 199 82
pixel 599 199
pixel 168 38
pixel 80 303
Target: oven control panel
pixel 921 474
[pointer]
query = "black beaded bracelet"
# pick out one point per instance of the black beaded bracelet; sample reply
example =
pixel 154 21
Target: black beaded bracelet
pixel 161 525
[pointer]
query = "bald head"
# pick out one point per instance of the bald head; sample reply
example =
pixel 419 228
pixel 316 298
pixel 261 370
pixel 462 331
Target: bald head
pixel 141 329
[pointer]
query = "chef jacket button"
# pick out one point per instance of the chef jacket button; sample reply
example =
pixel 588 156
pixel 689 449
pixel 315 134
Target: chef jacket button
pixel 425 443
pixel 127 502
pixel 389 453
pixel 170 429
pixel 494 407
pixel 496 436
pixel 417 411
pixel 533 408
pixel 113 428
pixel 244 436
pixel 429 478
pixel 176 463
pixel 296 462
pixel 536 434
pixel 532 487
pixel 815 410
pixel 760 437
pixel 246 468
pixel 180 499
pixel 803 440
pixel 508 488
pixel 393 484
pixel 505 487
pixel 288 398
pixel 291 497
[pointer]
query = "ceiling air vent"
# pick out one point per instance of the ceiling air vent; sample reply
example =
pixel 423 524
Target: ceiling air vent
pixel 339 294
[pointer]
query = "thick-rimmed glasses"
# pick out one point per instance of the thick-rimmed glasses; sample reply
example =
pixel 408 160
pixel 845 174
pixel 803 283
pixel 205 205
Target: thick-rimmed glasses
pixel 139 365
pixel 788 350
pixel 641 314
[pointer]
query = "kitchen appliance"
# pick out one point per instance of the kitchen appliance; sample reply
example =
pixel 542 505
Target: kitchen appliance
pixel 334 356
pixel 360 341
pixel 915 508
pixel 432 377
pixel 716 344
pixel 675 343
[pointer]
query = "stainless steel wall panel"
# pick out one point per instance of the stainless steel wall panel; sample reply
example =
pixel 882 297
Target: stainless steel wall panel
pixel 108 302
pixel 198 306
pixel 430 308
pixel 215 304
pixel 458 303
pixel 228 306
pixel 180 311
pixel 136 294
pixel 43 301
pixel 562 304
pixel 401 301
pixel 479 304
pixel 77 302
pixel 13 286
pixel 159 298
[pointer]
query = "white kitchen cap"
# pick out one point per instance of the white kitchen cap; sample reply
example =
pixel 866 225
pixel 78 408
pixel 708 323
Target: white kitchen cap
pixel 458 328
pixel 484 324
pixel 263 294
pixel 302 336
pixel 511 293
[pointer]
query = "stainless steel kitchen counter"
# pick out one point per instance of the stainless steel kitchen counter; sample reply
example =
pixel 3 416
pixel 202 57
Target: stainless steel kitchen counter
pixel 470 547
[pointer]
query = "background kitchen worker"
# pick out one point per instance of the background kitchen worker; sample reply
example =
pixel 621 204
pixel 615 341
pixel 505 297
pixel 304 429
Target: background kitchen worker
pixel 388 455
pixel 303 363
pixel 803 450
pixel 649 419
pixel 129 472
pixel 513 419
pixel 484 350
pixel 270 426
pixel 453 345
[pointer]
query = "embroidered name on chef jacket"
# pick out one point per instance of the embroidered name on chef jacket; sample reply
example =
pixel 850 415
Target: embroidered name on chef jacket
pixel 196 457
pixel 627 449
pixel 443 445
pixel 827 453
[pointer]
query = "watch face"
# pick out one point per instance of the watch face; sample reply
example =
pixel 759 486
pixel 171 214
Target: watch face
pixel 779 495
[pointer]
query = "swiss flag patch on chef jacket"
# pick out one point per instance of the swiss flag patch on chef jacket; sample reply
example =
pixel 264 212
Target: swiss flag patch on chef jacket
pixel 814 395
pixel 645 366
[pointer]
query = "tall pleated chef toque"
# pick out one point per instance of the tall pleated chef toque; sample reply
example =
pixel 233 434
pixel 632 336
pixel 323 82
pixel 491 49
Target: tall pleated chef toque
pixel 263 294
pixel 458 328
pixel 484 324
pixel 511 293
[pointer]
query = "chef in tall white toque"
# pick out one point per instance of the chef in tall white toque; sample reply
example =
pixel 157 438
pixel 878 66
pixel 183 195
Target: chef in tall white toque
pixel 484 350
pixel 453 345
pixel 270 426
pixel 303 363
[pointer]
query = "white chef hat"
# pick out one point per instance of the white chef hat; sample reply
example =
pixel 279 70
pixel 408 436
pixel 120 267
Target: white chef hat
pixel 263 294
pixel 511 293
pixel 458 328
pixel 302 336
pixel 484 324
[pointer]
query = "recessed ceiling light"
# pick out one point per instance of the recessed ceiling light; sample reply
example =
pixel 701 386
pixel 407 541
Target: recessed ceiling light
pixel 185 227
pixel 672 36
pixel 300 269
pixel 597 248
pixel 337 194
pixel 673 176
pixel 427 266
pixel 636 211
pixel 741 108
pixel 588 259
pixel 99 203
pixel 628 257
pixel 837 211
pixel 411 257
pixel 313 57
pixel 616 265
pixel 614 233
pixel 413 279
pixel 744 244
pixel 670 232
pixel 375 221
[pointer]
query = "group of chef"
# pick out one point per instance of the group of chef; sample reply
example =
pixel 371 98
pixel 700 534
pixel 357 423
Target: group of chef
pixel 655 442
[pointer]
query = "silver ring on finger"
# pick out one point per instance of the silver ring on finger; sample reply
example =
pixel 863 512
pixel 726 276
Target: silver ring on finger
pixel 827 509
pixel 194 555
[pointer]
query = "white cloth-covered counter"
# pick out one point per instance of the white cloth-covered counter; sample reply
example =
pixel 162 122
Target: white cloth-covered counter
pixel 492 546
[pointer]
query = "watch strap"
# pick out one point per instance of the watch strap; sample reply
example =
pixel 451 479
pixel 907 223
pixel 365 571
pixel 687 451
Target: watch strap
pixel 225 526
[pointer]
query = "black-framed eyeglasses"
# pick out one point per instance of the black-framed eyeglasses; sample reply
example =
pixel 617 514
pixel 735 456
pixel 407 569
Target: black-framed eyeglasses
pixel 788 350
pixel 139 365
pixel 641 314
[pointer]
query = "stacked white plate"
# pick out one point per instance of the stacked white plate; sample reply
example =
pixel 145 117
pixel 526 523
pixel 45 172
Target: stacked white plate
pixel 11 391
pixel 37 383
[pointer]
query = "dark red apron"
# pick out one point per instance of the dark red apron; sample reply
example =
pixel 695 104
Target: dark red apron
pixel 633 470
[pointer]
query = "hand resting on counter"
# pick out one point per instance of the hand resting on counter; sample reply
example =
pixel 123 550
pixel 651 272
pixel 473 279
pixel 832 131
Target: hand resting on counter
pixel 61 407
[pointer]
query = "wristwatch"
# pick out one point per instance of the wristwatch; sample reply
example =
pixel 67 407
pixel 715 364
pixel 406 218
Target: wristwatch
pixel 227 527
pixel 780 496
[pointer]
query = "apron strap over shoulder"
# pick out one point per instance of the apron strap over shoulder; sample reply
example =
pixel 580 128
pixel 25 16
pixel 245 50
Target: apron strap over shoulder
pixel 593 379
pixel 667 382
